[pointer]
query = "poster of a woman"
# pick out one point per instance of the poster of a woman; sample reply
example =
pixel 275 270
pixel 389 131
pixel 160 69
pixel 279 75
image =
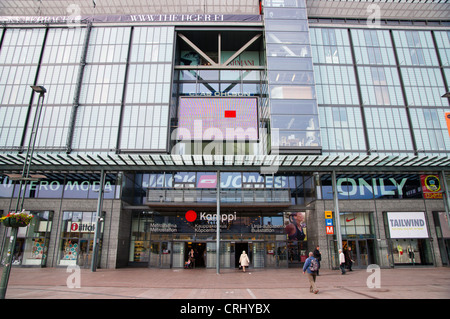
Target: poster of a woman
pixel 295 226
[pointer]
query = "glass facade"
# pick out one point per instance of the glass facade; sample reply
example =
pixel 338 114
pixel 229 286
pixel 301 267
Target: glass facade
pixel 109 88
pixel 19 59
pixel 380 90
pixel 290 76
pixel 88 107
pixel 146 112
pixel 58 70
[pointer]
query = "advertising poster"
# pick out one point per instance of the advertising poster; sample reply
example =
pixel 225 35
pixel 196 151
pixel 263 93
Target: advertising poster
pixel 431 186
pixel 295 226
pixel 407 225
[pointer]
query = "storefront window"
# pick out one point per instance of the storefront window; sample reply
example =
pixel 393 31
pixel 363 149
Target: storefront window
pixel 356 225
pixel 32 241
pixel 358 237
pixel 140 237
pixel 77 238
pixel 409 239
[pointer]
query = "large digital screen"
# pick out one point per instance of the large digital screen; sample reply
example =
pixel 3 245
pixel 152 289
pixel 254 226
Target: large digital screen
pixel 215 118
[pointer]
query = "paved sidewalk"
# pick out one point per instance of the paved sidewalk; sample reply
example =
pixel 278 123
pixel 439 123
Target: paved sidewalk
pixel 143 283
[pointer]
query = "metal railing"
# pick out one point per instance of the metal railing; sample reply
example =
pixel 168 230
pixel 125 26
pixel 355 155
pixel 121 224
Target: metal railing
pixel 227 195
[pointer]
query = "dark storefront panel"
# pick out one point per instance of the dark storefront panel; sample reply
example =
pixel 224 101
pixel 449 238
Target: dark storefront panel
pixel 272 240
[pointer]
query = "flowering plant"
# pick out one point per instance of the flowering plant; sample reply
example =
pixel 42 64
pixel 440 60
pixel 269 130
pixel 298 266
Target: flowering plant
pixel 17 219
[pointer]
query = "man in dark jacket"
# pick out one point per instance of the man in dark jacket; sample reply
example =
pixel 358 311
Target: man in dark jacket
pixel 349 258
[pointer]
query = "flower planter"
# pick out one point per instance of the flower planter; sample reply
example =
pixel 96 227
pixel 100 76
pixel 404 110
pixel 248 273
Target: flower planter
pixel 21 219
pixel 13 222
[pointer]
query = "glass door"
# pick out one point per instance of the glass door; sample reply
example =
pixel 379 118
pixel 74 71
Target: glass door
pixel 154 260
pixel 166 253
pixel 271 255
pixel 282 258
pixel 178 254
pixel 362 253
pixel 256 254
pixel 85 253
pixel 211 255
pixel 359 250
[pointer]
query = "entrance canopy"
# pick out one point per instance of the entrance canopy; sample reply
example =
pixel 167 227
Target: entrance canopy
pixel 266 164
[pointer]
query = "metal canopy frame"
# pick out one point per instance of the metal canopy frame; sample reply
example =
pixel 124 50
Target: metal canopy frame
pixel 282 163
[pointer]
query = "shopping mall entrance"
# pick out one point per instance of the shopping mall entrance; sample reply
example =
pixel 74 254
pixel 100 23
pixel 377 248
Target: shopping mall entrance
pixel 195 255
pixel 271 238
pixel 362 251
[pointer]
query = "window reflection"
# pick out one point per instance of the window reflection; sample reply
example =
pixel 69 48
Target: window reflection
pixel 292 92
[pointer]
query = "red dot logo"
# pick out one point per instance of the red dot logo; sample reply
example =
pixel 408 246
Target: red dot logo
pixel 191 215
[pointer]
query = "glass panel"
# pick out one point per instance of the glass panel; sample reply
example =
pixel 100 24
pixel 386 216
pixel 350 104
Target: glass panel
pixel 295 122
pixel 291 77
pixel 166 253
pixel 298 138
pixel 292 92
pixel 287 25
pixel 279 13
pixel 298 64
pixel 211 261
pixel 293 107
pixel 257 257
pixel 154 255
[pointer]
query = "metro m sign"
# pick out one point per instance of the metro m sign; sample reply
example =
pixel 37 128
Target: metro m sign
pixel 330 230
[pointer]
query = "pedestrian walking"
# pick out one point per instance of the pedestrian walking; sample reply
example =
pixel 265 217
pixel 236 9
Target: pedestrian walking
pixel 342 262
pixel 311 267
pixel 244 261
pixel 349 258
pixel 318 256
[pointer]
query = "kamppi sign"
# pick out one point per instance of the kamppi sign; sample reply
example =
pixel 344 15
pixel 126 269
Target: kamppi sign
pixel 210 219
pixel 191 216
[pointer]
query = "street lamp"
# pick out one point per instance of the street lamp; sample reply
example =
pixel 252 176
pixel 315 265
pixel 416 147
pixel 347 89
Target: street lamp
pixel 98 222
pixel 24 178
pixel 218 224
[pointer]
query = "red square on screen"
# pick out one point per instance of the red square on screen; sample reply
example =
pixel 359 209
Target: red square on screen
pixel 230 113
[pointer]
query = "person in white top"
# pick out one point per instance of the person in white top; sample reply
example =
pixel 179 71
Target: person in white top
pixel 244 261
pixel 342 261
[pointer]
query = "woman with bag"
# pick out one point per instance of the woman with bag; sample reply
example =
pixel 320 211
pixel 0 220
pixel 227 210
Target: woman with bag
pixel 244 261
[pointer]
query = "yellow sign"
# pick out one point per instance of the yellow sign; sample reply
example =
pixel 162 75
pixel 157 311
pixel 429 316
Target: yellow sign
pixel 328 214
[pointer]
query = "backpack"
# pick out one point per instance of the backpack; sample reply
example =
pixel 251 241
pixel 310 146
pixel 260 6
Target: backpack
pixel 314 266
